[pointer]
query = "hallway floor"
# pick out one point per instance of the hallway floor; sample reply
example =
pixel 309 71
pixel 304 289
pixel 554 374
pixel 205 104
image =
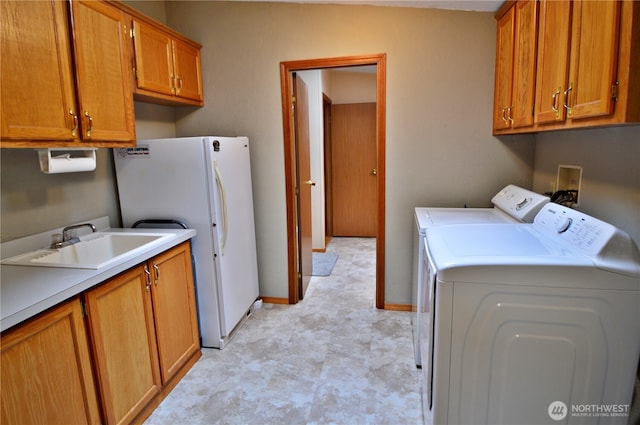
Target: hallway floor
pixel 332 358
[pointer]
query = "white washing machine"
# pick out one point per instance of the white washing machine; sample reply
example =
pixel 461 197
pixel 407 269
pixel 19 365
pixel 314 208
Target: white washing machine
pixel 530 323
pixel 511 205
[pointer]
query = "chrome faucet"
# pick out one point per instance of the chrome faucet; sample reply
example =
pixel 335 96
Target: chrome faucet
pixel 66 240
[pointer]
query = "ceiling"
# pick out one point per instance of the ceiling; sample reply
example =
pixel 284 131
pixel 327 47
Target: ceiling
pixel 475 5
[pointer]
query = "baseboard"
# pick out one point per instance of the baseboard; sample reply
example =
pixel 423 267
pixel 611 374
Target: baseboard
pixel 275 300
pixel 398 307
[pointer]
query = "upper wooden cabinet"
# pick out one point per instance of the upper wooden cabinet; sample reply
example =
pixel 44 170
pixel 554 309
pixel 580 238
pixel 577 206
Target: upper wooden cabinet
pixel 515 67
pixel 167 66
pixel 554 45
pixel 588 66
pixel 102 72
pixel 64 84
pixel 577 59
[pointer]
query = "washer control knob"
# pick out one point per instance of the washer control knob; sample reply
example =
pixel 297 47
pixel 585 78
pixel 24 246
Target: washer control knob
pixel 564 225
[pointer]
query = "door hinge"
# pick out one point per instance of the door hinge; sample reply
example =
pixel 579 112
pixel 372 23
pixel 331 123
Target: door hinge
pixel 293 99
pixel 614 91
pixel 299 275
pixel 83 305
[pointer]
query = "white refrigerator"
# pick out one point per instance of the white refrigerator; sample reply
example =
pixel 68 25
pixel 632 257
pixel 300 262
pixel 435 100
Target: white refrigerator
pixel 204 182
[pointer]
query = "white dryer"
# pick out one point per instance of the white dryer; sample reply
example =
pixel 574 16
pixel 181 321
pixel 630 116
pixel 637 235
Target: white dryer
pixel 530 323
pixel 512 204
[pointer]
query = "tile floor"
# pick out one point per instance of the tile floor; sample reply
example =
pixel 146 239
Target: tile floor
pixel 330 359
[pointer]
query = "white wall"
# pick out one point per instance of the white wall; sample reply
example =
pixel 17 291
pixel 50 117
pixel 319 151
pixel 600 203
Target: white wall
pixel 353 86
pixel 439 148
pixel 313 80
pixel 440 67
pixel 610 171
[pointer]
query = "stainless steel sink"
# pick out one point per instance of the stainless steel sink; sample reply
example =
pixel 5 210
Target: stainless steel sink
pixel 94 251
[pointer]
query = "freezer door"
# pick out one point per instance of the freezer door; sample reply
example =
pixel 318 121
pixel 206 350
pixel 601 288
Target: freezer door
pixel 233 221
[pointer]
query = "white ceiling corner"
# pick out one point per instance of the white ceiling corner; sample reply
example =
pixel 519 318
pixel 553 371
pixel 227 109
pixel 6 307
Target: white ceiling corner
pixel 471 5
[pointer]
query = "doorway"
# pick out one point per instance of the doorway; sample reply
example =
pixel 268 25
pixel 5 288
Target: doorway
pixel 287 69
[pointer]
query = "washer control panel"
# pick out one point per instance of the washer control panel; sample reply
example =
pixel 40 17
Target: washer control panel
pixel 575 227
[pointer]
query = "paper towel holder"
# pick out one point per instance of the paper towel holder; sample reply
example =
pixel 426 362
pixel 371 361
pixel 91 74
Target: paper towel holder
pixel 68 161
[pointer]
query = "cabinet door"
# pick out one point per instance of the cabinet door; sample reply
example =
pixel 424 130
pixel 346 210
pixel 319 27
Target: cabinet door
pixel 37 88
pixel 46 371
pixel 524 63
pixel 125 351
pixel 504 70
pixel 154 60
pixel 186 59
pixel 554 39
pixel 104 90
pixel 175 309
pixel 594 54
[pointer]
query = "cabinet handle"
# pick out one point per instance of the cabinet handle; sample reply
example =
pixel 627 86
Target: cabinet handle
pixel 75 122
pixel 148 273
pixel 504 118
pixel 173 84
pixel 509 114
pixel 554 102
pixel 86 114
pixel 157 269
pixel 179 89
pixel 566 98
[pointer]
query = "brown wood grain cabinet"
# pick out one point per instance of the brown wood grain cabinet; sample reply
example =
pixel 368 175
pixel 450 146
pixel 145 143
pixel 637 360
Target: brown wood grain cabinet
pixel 515 67
pixel 174 306
pixel 167 66
pixel 587 67
pixel 46 370
pixel 144 329
pixel 120 318
pixel 139 337
pixel 578 57
pixel 64 75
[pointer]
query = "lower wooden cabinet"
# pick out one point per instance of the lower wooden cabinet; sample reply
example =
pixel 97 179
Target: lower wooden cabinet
pixel 144 329
pixel 46 370
pixel 140 336
pixel 174 306
pixel 121 325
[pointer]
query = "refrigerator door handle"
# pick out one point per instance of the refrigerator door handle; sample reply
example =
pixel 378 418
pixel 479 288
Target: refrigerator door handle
pixel 223 207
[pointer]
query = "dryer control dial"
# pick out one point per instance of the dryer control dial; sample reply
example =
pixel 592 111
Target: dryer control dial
pixel 523 203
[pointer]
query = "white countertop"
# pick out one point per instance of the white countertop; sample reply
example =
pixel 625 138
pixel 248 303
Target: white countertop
pixel 27 290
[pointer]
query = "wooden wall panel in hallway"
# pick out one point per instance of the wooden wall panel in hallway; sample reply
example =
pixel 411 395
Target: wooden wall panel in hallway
pixel 354 164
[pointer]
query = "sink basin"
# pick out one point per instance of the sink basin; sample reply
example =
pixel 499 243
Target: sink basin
pixel 94 251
